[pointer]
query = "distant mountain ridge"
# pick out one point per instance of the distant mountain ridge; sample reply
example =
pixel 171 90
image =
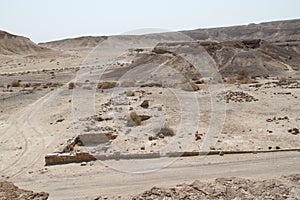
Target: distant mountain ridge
pixel 283 33
pixel 14 44
pixel 276 31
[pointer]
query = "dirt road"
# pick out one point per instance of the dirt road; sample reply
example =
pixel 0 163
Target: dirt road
pixel 77 182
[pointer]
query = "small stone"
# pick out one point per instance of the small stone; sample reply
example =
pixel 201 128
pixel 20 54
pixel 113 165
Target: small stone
pixel 294 131
pixel 83 164
pixel 161 136
pixel 150 138
pixel 197 136
pixel 59 120
pixel 145 104
pixel 130 93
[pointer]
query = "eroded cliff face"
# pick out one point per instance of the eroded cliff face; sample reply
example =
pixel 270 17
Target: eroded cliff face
pixel 13 44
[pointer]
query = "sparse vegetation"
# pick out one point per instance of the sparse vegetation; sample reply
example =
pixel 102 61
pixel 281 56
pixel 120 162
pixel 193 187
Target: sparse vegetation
pixel 130 93
pixel 26 85
pixel 71 85
pixel 201 81
pixel 190 87
pixel 282 80
pixel 166 131
pixel 106 85
pixel 15 84
pixel 243 78
pixel 231 80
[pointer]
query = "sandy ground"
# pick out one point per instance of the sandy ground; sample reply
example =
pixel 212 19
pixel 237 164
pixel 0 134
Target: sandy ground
pixel 39 119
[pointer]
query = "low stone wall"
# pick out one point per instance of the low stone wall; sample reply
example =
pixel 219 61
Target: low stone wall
pixel 64 158
pixel 128 156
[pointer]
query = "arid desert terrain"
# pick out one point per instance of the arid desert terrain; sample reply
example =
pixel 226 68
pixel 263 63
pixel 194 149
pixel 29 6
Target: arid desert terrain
pixel 199 114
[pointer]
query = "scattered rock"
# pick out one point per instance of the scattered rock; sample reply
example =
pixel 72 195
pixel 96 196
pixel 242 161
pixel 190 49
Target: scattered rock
pixel 152 85
pixel 190 87
pixel 135 119
pixel 294 131
pixel 130 93
pixel 145 104
pixel 83 164
pixel 9 191
pixel 228 188
pixel 237 97
pixel 59 120
pixel 150 138
pixel 166 132
pixel 198 136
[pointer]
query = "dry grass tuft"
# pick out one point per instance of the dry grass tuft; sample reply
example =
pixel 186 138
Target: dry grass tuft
pixel 106 85
pixel 71 85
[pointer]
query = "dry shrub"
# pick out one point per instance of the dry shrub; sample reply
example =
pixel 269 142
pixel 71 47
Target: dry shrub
pixel 106 85
pixel 200 81
pixel 231 80
pixel 128 83
pixel 130 93
pixel 190 87
pixel 26 85
pixel 282 80
pixel 71 85
pixel 243 78
pixel 15 84
pixel 166 131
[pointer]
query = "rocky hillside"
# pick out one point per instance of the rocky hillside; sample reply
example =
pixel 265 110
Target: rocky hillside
pixel 75 43
pixel 285 33
pixel 288 30
pixel 13 44
pixel 8 191
pixel 251 57
pixel 287 187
